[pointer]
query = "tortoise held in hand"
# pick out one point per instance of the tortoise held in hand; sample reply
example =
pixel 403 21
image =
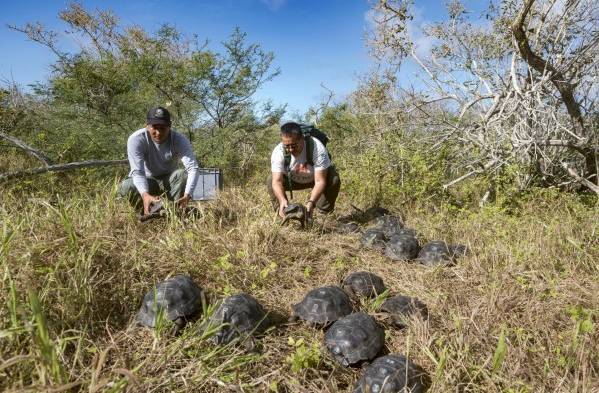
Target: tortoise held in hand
pixel 323 305
pixel 438 252
pixel 363 284
pixel 401 308
pixel 354 338
pixel 402 247
pixel 178 298
pixel 238 315
pixel 297 212
pixel 392 374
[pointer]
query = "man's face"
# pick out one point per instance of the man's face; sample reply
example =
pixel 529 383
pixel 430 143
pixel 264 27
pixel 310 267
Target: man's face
pixel 292 143
pixel 158 132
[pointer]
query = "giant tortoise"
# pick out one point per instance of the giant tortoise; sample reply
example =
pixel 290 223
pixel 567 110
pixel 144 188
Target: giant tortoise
pixel 177 299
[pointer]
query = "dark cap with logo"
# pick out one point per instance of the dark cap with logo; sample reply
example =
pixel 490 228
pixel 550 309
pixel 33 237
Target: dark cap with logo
pixel 159 115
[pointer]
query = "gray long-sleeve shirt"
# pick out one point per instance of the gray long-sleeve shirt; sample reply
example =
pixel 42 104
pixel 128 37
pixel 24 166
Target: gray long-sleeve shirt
pixel 148 158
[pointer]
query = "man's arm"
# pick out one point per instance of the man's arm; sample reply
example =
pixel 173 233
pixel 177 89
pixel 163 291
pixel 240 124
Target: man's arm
pixel 191 165
pixel 279 190
pixel 138 173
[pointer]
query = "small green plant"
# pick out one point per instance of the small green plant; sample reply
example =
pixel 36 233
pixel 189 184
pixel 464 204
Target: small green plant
pixel 339 263
pixel 52 370
pixel 583 324
pixel 307 271
pixel 264 273
pixel 376 303
pixel 500 351
pixel 304 355
pixel 224 262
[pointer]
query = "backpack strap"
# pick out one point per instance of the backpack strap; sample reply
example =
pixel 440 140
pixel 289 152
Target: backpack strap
pixel 309 150
pixel 287 166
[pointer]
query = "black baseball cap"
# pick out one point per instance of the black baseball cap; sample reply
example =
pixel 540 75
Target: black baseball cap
pixel 159 115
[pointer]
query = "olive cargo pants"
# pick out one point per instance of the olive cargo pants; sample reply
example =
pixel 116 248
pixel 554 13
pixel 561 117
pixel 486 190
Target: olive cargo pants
pixel 173 185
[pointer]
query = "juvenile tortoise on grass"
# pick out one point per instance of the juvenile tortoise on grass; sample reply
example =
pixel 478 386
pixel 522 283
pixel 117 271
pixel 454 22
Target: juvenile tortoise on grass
pixel 178 298
pixel 390 225
pixel 392 374
pixel 401 308
pixel 363 216
pixel 374 212
pixel 438 252
pixel 347 227
pixel 355 338
pixel 374 238
pixel 363 284
pixel 322 306
pixel 237 316
pixel 402 247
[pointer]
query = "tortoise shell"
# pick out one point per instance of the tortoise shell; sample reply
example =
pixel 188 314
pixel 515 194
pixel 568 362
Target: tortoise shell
pixel 323 305
pixel 238 315
pixel 177 297
pixel 363 284
pixel 392 374
pixel 354 338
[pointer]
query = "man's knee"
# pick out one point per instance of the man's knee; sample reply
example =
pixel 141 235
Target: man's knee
pixel 126 188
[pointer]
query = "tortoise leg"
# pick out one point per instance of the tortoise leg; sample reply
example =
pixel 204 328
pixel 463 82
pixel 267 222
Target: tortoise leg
pixel 293 319
pixel 249 344
pixel 178 325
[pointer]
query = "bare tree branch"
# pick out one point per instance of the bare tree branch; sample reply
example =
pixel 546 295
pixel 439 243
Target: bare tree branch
pixel 470 174
pixel 590 185
pixel 61 168
pixel 541 65
pixel 30 150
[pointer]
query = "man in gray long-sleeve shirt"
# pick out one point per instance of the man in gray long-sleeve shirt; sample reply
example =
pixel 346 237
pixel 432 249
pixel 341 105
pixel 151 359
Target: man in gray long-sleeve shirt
pixel 153 153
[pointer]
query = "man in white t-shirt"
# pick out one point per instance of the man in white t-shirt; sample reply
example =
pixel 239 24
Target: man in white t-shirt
pixel 300 162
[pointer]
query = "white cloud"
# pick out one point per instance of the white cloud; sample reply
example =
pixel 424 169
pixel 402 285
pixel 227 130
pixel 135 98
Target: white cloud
pixel 274 5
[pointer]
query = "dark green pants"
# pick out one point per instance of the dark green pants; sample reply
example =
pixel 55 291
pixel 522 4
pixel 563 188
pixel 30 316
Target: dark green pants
pixel 326 202
pixel 172 185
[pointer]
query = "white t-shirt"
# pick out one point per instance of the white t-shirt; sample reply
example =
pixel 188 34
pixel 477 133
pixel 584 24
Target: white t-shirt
pixel 301 171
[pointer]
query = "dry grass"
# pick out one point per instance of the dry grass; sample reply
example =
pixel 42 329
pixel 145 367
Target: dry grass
pixel 519 314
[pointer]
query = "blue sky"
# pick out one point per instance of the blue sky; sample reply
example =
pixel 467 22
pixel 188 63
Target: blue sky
pixel 314 41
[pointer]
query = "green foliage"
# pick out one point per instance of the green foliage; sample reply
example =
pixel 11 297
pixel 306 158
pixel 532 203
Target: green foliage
pixel 52 370
pixel 99 94
pixel 500 351
pixel 373 305
pixel 304 356
pixel 395 166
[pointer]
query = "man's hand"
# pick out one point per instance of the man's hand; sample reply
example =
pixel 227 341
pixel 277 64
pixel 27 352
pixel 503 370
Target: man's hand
pixel 183 201
pixel 282 205
pixel 148 200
